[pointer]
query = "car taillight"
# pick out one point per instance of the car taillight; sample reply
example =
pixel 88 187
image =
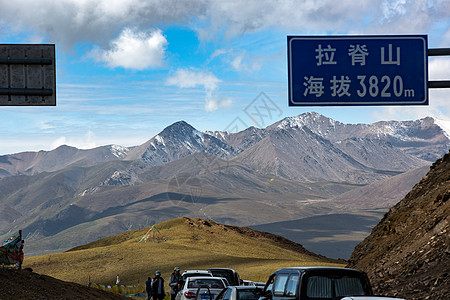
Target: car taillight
pixel 189 295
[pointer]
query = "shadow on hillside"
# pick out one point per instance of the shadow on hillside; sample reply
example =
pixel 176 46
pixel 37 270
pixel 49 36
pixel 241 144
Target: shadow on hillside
pixel 334 235
pixel 176 205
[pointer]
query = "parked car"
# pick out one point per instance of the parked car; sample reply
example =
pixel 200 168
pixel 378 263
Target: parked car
pixel 370 298
pixel 231 275
pixel 324 283
pixel 195 273
pixel 247 282
pixel 238 293
pixel 201 288
pixel 259 284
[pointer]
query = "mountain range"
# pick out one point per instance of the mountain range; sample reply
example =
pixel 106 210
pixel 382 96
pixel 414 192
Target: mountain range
pixel 298 167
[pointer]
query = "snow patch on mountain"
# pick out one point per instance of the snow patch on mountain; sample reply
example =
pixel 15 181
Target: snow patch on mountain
pixel 445 126
pixel 199 134
pixel 119 151
pixel 160 140
pixel 221 135
pixel 315 122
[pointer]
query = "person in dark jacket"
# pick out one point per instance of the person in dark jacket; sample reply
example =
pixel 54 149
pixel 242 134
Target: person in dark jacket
pixel 158 287
pixel 148 288
pixel 174 282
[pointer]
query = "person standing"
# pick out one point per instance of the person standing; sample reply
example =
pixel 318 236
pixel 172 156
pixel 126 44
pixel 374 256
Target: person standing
pixel 117 280
pixel 158 287
pixel 174 281
pixel 148 288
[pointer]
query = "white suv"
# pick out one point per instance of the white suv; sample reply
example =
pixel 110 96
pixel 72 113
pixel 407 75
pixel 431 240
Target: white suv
pixel 201 288
pixel 195 273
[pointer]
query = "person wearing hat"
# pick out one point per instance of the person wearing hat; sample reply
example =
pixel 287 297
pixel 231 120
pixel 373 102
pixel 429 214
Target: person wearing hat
pixel 158 287
pixel 175 282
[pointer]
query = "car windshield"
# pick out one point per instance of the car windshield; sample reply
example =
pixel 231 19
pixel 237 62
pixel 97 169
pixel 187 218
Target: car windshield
pixel 228 275
pixel 246 294
pixel 210 283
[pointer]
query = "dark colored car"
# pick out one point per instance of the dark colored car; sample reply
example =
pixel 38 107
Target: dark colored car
pixel 314 283
pixel 238 293
pixel 229 274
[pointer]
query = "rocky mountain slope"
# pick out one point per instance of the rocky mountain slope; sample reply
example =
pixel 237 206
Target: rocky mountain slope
pixel 302 155
pixel 408 252
pixel 177 141
pixel 290 170
pixel 388 146
pixel 30 163
pixel 60 210
pixel 419 137
pixel 383 193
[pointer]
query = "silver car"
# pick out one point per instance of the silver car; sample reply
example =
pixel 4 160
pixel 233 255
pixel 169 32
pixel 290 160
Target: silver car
pixel 201 288
pixel 238 293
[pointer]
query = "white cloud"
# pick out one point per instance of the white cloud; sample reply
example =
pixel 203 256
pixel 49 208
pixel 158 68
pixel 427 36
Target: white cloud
pixel 135 50
pixel 446 37
pixel 217 52
pixel 236 63
pixel 59 142
pixel 391 8
pixel 212 104
pixel 187 78
pixel 88 141
pixel 245 62
pixel 439 107
pixel 68 22
pixel 439 68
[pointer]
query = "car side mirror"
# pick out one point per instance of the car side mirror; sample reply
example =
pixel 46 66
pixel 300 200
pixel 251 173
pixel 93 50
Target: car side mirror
pixel 257 291
pixel 261 293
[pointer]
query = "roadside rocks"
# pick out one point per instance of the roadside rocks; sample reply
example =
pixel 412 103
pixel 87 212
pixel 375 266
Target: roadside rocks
pixel 408 253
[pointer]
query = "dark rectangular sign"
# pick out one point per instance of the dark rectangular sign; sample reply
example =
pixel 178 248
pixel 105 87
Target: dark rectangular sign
pixel 27 75
pixel 357 70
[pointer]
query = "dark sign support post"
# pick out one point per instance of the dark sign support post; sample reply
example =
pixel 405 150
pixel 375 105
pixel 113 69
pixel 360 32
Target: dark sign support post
pixel 27 75
pixel 360 70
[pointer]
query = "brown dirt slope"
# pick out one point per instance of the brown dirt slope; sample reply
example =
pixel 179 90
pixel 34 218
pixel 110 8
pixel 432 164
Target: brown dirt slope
pixel 27 285
pixel 408 254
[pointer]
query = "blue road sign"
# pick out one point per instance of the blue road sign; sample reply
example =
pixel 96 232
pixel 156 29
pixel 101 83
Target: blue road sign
pixel 358 70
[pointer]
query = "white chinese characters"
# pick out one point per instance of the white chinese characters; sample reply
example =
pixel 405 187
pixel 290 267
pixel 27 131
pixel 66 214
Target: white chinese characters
pixel 314 86
pixel 325 56
pixel 390 60
pixel 355 55
pixel 358 54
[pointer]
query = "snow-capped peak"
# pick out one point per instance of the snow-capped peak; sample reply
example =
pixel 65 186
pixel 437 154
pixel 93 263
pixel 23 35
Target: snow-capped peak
pixel 305 120
pixel 199 134
pixel 160 139
pixel 445 126
pixel 119 151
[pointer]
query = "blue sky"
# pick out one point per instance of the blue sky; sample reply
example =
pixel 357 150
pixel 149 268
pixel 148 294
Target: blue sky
pixel 127 69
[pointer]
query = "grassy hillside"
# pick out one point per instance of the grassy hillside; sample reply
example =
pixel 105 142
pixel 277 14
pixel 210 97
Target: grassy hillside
pixel 191 244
